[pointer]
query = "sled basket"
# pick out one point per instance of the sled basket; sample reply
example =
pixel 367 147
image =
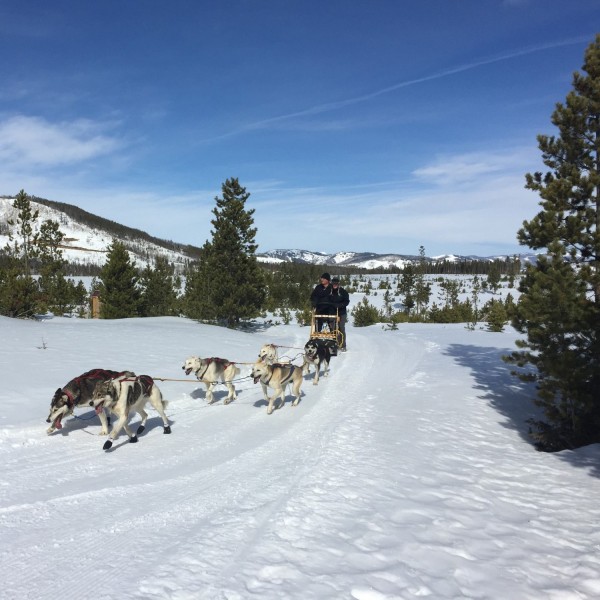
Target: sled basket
pixel 330 335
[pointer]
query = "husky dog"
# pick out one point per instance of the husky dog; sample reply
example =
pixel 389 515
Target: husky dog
pixel 317 354
pixel 277 376
pixel 124 395
pixel 78 393
pixel 212 370
pixel 268 354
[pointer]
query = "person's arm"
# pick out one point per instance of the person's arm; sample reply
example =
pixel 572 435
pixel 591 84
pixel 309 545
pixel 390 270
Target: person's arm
pixel 345 298
pixel 313 297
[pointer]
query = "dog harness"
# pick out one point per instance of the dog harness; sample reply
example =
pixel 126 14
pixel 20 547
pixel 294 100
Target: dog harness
pixel 287 377
pixel 222 361
pixel 100 374
pixel 142 386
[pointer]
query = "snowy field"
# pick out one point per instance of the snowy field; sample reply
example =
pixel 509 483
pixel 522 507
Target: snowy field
pixel 405 474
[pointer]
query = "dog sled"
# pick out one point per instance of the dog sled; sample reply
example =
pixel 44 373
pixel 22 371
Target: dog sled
pixel 330 334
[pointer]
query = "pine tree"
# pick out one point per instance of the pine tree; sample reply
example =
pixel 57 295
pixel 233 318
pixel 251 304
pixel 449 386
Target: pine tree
pixel 18 295
pixel 406 287
pixel 366 314
pixel 119 291
pixel 493 278
pixel 559 309
pixel 159 289
pixel 476 290
pixel 26 219
pixel 57 293
pixel 422 288
pixel 228 283
pixel 496 316
pixel 19 291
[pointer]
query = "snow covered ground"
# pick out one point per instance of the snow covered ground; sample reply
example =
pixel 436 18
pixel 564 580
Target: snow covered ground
pixel 405 474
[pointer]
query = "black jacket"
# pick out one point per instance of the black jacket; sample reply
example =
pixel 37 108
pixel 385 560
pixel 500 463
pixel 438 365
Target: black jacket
pixel 327 300
pixel 339 299
pixel 320 299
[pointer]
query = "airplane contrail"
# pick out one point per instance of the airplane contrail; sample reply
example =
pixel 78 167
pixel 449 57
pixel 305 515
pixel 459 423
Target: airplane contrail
pixel 329 106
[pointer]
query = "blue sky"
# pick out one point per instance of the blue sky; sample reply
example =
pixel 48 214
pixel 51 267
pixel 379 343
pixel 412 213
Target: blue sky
pixel 373 125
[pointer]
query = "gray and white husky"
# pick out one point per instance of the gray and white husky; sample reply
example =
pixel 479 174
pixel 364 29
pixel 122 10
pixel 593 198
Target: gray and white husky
pixel 77 394
pixel 125 395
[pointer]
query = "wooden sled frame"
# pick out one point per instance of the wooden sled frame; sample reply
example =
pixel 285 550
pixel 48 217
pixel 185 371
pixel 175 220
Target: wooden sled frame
pixel 331 337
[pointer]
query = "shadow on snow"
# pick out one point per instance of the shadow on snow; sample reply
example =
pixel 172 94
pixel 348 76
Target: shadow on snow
pixel 513 398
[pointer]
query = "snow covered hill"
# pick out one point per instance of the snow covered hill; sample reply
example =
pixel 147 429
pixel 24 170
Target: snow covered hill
pixel 88 245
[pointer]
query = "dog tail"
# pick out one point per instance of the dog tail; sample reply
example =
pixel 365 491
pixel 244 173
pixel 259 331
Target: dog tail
pixel 236 369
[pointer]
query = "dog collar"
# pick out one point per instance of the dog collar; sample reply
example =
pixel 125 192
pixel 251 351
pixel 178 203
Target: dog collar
pixel 69 395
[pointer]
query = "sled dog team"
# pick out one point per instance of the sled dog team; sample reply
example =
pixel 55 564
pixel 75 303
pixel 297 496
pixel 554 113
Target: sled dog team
pixel 124 393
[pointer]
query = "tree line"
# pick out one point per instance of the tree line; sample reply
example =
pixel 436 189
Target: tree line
pixel 225 284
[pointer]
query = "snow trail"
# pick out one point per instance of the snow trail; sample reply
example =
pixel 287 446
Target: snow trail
pixel 403 474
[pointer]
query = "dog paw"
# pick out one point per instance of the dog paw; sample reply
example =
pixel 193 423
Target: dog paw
pixel 107 445
pixel 167 429
pixel 140 430
pixel 133 439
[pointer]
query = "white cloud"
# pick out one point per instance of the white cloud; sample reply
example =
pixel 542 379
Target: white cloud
pixel 33 141
pixel 445 217
pixel 471 167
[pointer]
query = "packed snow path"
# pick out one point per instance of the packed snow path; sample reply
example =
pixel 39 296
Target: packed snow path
pixel 404 474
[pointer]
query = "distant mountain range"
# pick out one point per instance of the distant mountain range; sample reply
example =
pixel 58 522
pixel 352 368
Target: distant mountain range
pixel 87 237
pixel 370 260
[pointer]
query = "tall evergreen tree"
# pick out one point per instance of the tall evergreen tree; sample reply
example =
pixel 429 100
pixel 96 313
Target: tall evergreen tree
pixel 494 277
pixel 19 291
pixel 159 289
pixel 119 290
pixel 228 284
pixel 406 287
pixel 559 309
pixel 26 220
pixel 422 288
pixel 56 291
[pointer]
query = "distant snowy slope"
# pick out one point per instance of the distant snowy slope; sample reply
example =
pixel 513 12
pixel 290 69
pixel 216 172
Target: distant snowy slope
pixel 85 244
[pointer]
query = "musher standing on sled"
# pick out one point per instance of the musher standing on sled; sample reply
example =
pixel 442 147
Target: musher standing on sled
pixel 320 300
pixel 340 300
